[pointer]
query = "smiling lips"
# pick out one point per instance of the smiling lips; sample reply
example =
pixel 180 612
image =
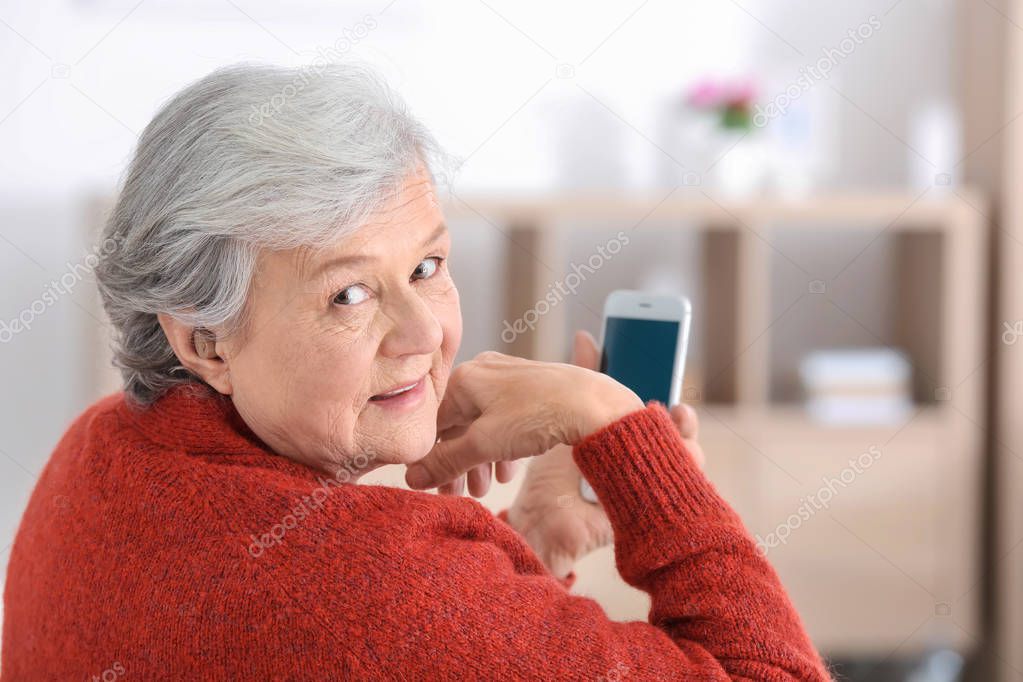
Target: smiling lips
pixel 404 390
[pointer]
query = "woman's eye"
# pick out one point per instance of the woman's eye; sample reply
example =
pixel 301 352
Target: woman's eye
pixel 351 295
pixel 427 267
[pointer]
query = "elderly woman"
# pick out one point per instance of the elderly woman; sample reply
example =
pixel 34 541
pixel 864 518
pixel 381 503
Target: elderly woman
pixel 286 322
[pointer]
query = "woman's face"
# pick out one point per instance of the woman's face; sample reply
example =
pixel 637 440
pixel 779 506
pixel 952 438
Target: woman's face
pixel 347 349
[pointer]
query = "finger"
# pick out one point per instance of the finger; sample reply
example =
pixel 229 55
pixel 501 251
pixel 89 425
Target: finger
pixel 678 416
pixel 505 472
pixel 479 479
pixel 447 460
pixel 686 421
pixel 692 429
pixel 584 351
pixel 448 488
pixel 455 488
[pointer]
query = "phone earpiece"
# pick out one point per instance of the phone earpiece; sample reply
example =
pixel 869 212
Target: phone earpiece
pixel 204 341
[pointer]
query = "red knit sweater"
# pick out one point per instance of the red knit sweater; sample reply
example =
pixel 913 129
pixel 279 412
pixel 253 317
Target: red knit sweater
pixel 171 544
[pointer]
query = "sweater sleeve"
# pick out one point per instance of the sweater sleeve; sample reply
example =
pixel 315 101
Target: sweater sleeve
pixel 718 610
pixel 677 540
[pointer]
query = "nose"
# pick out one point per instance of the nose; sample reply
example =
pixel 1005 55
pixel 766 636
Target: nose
pixel 414 328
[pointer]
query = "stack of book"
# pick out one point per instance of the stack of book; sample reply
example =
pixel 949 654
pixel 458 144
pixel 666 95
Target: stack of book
pixel 857 386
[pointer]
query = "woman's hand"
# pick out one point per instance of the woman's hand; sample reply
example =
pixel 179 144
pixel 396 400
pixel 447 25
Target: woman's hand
pixel 498 408
pixel 548 512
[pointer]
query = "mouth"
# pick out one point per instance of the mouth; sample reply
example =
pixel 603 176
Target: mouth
pixel 407 393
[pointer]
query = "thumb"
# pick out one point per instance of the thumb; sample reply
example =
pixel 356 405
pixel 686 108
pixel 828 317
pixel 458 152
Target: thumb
pixel 456 406
pixel 584 351
pixel 559 563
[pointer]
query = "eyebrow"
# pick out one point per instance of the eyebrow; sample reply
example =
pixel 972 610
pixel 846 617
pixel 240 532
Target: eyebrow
pixel 437 233
pixel 354 259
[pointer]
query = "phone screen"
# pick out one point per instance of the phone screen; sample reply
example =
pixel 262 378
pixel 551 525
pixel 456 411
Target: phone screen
pixel 641 355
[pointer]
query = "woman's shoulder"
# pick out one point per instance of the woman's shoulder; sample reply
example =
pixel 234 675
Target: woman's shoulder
pixel 170 465
pixel 95 417
pixel 140 502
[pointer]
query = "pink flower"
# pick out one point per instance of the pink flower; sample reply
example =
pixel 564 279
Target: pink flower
pixel 712 94
pixel 706 94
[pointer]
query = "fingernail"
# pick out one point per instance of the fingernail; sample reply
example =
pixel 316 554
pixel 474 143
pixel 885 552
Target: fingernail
pixel 418 476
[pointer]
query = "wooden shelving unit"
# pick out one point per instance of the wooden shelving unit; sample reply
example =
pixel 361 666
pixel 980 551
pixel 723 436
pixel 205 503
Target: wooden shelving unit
pixel 891 567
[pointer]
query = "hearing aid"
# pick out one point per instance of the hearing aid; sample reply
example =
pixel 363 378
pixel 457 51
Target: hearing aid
pixel 203 340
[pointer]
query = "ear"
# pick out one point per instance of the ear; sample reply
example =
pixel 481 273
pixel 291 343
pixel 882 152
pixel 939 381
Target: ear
pixel 199 351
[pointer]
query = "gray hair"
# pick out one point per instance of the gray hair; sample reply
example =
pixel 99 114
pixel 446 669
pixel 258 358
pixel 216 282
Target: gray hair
pixel 250 157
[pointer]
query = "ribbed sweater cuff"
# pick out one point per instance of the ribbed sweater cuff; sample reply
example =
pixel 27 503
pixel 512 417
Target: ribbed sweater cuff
pixel 644 476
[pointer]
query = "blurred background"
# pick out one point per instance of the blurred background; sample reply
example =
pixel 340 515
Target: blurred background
pixel 833 185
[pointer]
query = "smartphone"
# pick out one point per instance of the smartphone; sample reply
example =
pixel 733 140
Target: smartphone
pixel 644 339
